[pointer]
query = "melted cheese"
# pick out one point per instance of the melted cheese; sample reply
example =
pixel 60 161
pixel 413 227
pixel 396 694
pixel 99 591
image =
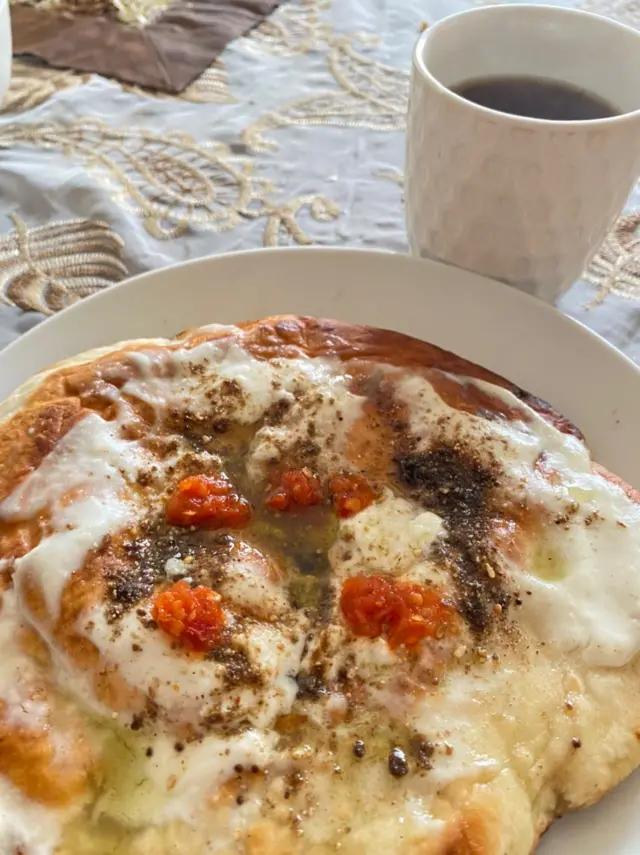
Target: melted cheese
pixel 400 821
pixel 491 725
pixel 18 673
pixel 322 416
pixel 188 378
pixel 312 391
pixel 191 690
pixel 83 485
pixel 172 785
pixel 590 600
pixel 592 606
pixel 168 379
pixel 25 826
pixel 252 583
pixel 391 536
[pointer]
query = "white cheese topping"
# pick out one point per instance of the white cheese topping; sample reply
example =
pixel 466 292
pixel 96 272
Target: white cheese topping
pixel 584 578
pixel 176 785
pixel 83 485
pixel 24 825
pixel 167 379
pixel 21 706
pixel 202 767
pixel 323 416
pixel 515 443
pixel 251 582
pixel 391 536
pixel 312 390
pixel 584 581
pixel 189 690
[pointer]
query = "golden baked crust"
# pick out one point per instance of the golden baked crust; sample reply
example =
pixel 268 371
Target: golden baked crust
pixel 537 722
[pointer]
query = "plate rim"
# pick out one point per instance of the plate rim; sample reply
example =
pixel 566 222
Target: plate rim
pixel 515 295
pixel 518 300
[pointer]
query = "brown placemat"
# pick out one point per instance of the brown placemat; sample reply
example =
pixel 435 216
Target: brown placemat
pixel 167 54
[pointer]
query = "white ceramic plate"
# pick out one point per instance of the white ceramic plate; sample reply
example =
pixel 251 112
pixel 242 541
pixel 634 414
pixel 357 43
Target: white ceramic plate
pixel 496 326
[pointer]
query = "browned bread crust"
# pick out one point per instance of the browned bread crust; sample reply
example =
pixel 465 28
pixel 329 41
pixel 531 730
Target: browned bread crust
pixel 58 401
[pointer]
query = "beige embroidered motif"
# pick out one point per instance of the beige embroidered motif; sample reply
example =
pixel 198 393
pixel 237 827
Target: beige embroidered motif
pixel 135 12
pixel 48 268
pixel 32 84
pixel 394 175
pixel 78 7
pixel 293 29
pixel 372 95
pixel 212 87
pixel 616 267
pixel 171 182
pixel 168 180
pixel 140 12
pixel 283 228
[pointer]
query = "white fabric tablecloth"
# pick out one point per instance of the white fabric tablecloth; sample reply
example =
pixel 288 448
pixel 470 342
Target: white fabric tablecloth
pixel 295 136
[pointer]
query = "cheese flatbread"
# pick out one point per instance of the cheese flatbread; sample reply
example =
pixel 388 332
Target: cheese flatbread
pixel 297 586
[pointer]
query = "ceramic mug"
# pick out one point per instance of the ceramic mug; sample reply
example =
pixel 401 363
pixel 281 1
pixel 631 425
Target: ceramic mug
pixel 527 201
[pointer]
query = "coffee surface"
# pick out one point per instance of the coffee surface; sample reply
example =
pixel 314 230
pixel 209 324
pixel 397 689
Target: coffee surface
pixel 535 98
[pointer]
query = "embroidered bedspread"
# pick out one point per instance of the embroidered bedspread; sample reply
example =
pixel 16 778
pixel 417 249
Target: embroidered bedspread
pixel 294 135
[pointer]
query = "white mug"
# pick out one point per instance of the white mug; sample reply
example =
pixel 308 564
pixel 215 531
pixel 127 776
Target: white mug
pixel 527 201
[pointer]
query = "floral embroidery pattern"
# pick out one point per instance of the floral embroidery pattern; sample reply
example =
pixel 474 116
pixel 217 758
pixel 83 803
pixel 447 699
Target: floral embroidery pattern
pixel 48 268
pixel 135 12
pixel 168 180
pixel 394 175
pixel 32 84
pixel 372 95
pixel 616 267
pixel 171 182
pixel 212 87
pixel 282 224
pixel 292 30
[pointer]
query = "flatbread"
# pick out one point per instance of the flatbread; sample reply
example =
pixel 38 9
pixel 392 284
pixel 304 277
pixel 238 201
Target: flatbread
pixel 401 614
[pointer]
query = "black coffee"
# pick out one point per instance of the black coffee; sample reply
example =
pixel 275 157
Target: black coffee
pixel 536 98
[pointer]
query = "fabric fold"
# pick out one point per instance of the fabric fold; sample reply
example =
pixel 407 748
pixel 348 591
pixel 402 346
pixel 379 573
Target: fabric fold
pixel 168 54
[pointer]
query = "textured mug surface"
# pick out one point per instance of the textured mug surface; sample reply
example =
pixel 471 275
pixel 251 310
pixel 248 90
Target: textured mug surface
pixel 526 201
